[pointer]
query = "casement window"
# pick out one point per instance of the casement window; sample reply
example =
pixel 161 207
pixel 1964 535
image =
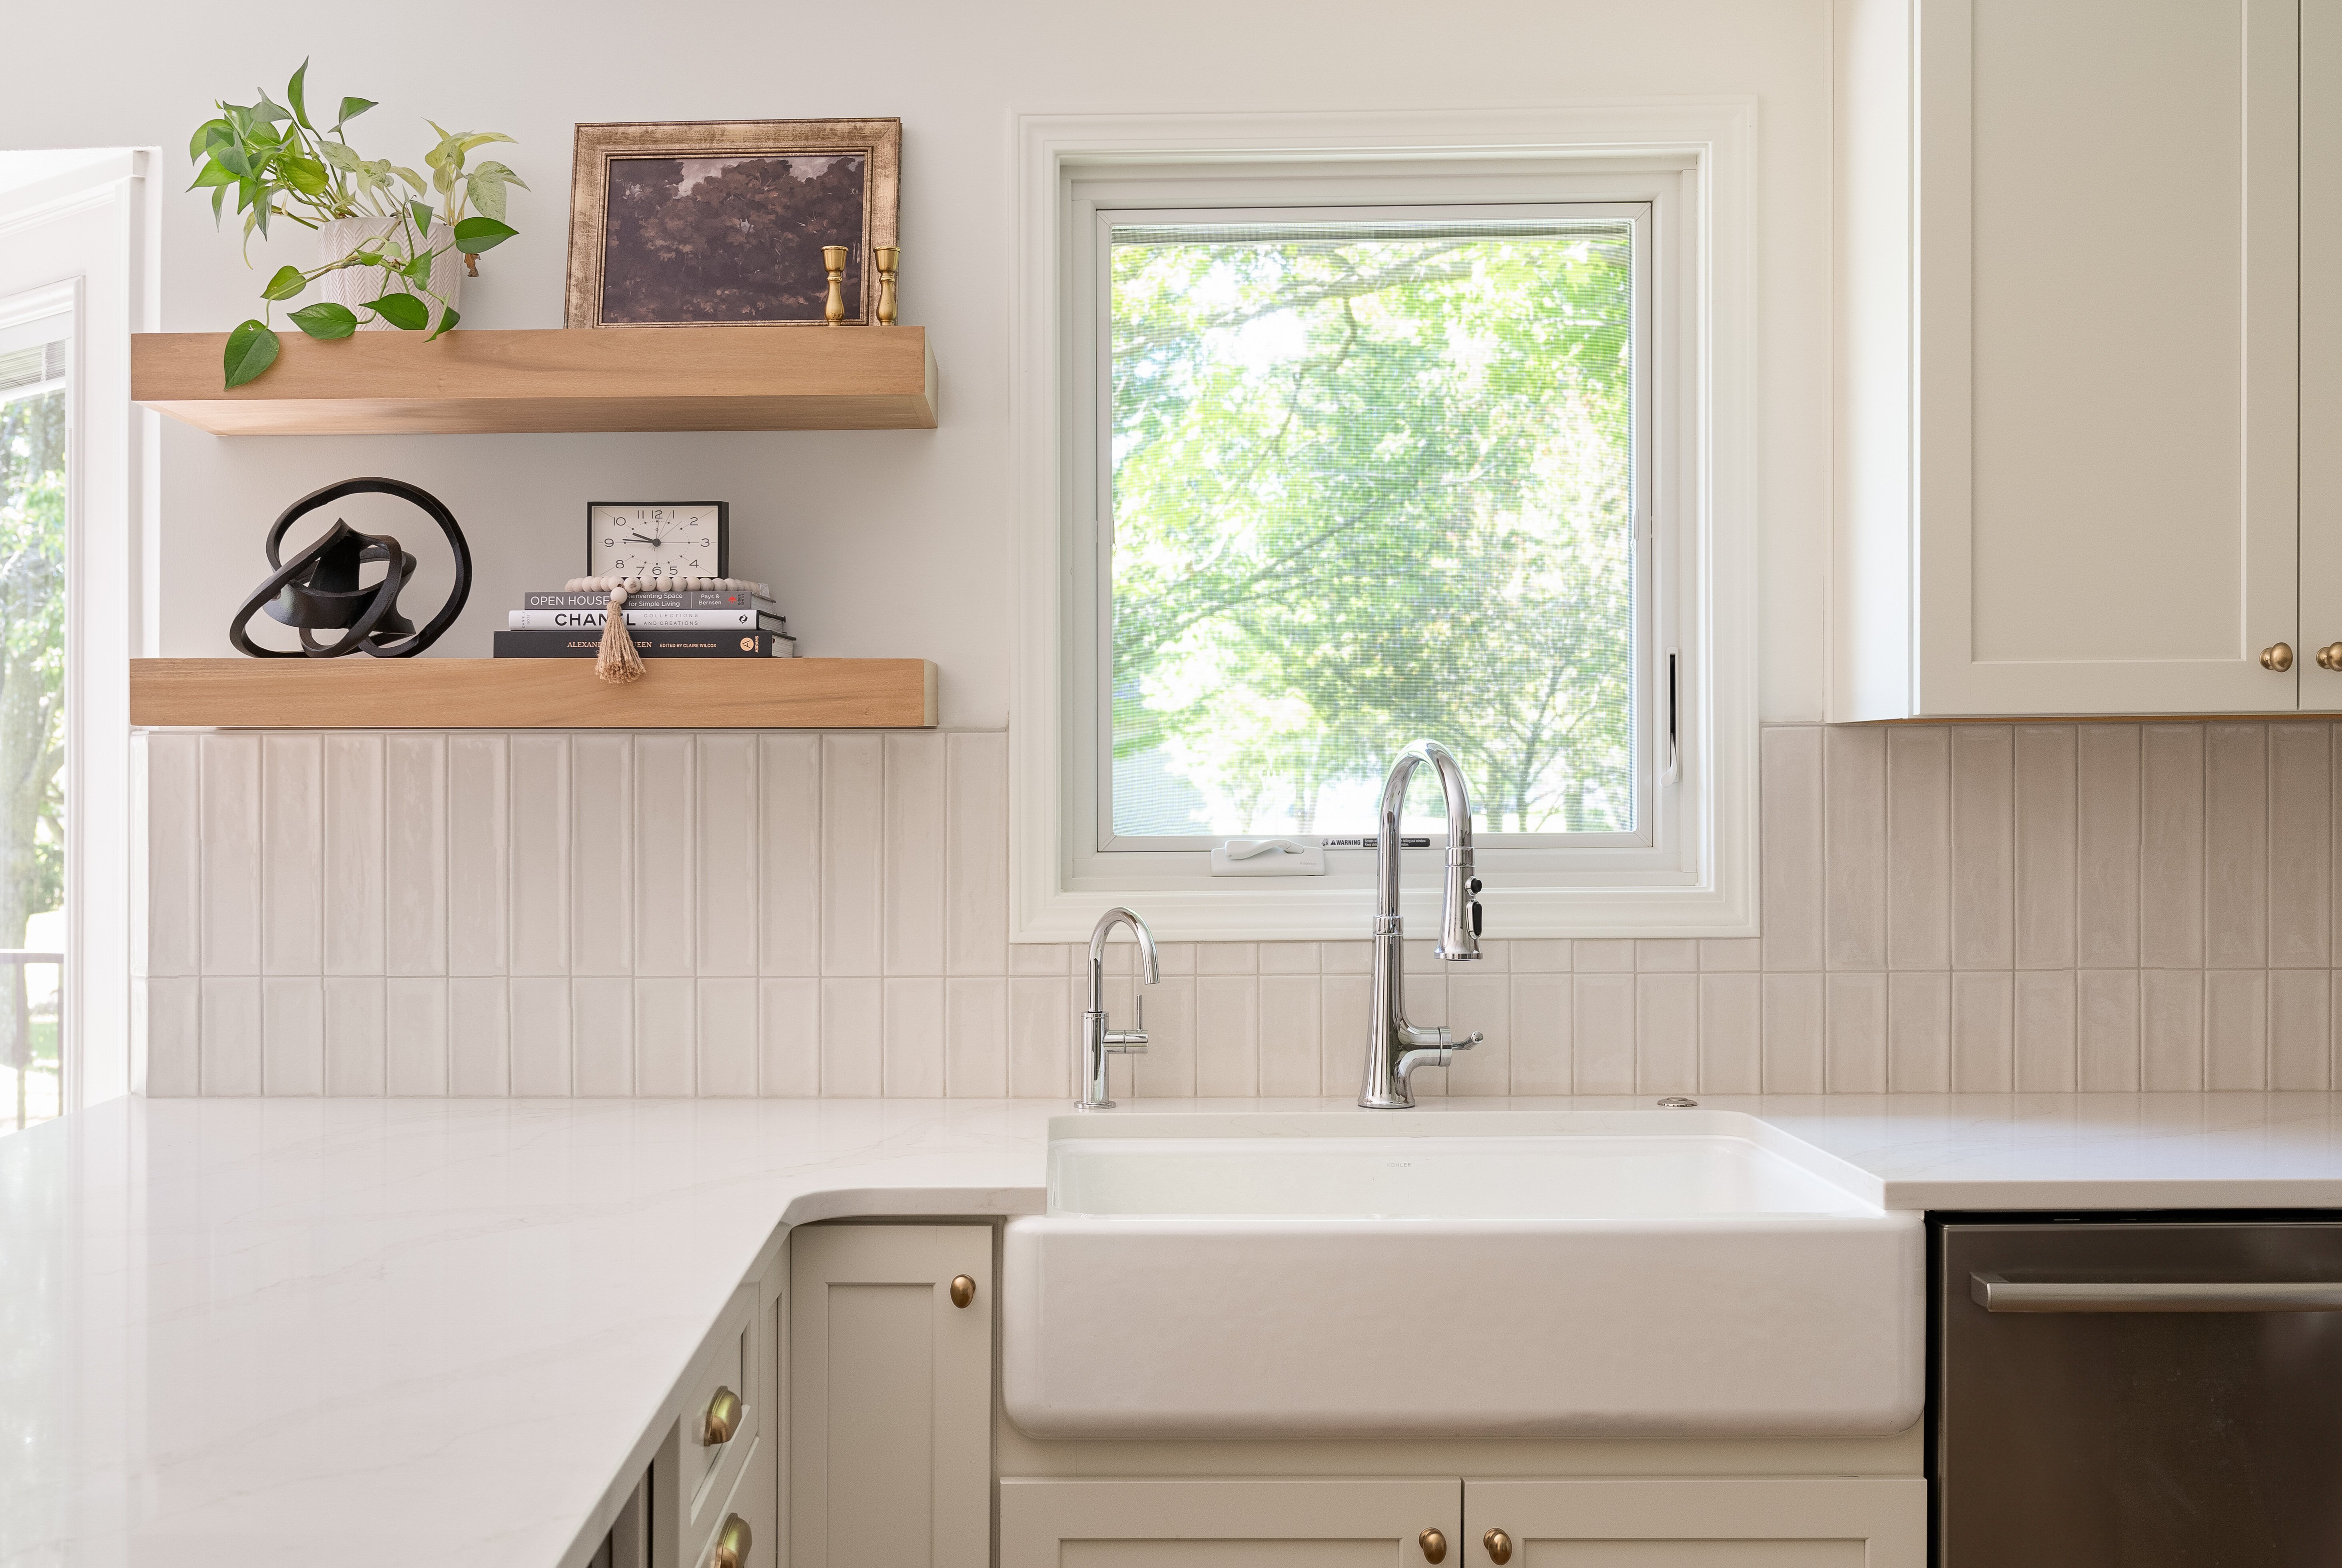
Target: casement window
pixel 1328 453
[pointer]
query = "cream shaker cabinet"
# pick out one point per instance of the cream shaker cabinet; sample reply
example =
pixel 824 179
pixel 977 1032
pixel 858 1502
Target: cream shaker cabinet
pixel 2070 357
pixel 1582 1523
pixel 890 1397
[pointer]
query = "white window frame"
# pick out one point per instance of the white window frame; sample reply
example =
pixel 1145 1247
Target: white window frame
pixel 1690 166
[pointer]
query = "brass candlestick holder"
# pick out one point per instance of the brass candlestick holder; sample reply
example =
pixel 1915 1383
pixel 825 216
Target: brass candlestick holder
pixel 889 259
pixel 834 310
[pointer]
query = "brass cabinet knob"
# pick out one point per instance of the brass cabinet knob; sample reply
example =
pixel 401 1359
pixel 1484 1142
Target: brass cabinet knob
pixel 1499 1545
pixel 2277 656
pixel 732 1544
pixel 723 1419
pixel 2330 658
pixel 1433 1544
pixel 963 1290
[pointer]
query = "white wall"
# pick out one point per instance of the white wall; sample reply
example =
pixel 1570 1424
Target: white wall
pixel 883 543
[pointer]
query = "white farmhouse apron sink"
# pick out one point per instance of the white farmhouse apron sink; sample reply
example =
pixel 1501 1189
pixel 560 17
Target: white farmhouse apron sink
pixel 1641 1273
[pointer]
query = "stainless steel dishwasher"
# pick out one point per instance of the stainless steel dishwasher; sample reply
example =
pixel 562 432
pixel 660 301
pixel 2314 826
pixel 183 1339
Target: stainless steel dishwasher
pixel 2155 1393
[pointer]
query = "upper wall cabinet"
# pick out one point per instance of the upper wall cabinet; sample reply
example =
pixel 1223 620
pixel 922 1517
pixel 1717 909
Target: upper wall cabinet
pixel 2071 235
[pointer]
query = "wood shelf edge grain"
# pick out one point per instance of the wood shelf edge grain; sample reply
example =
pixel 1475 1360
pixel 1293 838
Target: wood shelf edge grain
pixel 609 379
pixel 361 694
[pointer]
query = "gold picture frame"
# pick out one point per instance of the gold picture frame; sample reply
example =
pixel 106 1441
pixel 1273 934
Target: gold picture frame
pixel 711 234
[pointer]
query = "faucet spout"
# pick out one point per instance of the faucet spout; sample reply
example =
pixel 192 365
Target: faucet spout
pixel 1099 1039
pixel 1397 1048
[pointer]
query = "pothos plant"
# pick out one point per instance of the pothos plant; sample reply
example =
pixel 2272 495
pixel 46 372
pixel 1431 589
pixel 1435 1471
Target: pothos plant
pixel 282 166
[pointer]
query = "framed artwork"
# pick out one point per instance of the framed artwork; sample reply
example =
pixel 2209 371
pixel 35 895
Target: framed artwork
pixel 704 223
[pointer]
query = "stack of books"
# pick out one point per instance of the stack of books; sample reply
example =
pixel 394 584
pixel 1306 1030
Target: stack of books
pixel 683 623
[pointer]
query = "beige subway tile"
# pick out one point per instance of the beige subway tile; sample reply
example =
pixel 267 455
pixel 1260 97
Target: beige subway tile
pixel 2236 1029
pixel 1919 1032
pixel 1544 955
pixel 1796 1035
pixel 1167 1069
pixel 727 1032
pixel 415 854
pixel 918 794
pixel 1541 1044
pixel 414 1033
pixel 1918 847
pixel 231 869
pixel 292 1035
pixel 1602 1032
pixel 479 856
pixel 1667 1033
pixel 479 1035
pixel 1983 1032
pixel 853 882
pixel 666 1025
pixel 1345 1023
pixel 1480 1003
pixel 601 877
pixel 2236 846
pixel 2106 1043
pixel 2301 1028
pixel 976 935
pixel 2107 846
pixel 914 1032
pixel 1732 956
pixel 2171 854
pixel 2045 1031
pixel 788 1037
pixel 853 1036
pixel 540 1031
pixel 1041 1025
pixel 292 854
pixel 1984 847
pixel 1288 957
pixel 2046 845
pixel 1731 1033
pixel 666 863
pixel 1175 958
pixel 166 1014
pixel 2171 1028
pixel 977 1035
pixel 1854 818
pixel 1227 958
pixel 1045 958
pixel 789 848
pixel 1348 957
pixel 602 1035
pixel 231 1025
pixel 1227 1035
pixel 357 1044
pixel 1667 955
pixel 539 866
pixel 1856 1038
pixel 1495 958
pixel 726 880
pixel 2301 845
pixel 1604 956
pixel 1289 1029
pixel 174 927
pixel 1790 846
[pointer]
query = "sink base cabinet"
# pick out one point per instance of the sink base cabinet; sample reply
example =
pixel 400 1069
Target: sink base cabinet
pixel 1581 1523
pixel 890 1397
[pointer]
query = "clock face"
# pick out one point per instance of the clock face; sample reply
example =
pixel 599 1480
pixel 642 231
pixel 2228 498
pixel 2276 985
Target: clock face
pixel 665 541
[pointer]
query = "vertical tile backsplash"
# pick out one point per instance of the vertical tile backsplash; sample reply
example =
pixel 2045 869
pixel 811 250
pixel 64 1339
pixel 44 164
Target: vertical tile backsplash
pixel 1977 907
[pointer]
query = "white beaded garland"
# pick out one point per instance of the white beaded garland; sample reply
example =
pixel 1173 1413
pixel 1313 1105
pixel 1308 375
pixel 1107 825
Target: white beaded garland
pixel 611 585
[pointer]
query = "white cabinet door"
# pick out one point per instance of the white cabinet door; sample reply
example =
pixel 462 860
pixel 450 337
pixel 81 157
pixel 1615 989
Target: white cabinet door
pixel 2069 336
pixel 1752 1524
pixel 1229 1523
pixel 2321 351
pixel 890 1397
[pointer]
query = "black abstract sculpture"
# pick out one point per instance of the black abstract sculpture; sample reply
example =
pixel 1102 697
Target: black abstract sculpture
pixel 318 589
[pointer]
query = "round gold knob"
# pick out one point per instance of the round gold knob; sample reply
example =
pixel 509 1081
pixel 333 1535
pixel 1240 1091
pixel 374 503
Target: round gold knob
pixel 723 1419
pixel 1433 1544
pixel 2330 658
pixel 963 1290
pixel 2277 656
pixel 732 1544
pixel 1499 1545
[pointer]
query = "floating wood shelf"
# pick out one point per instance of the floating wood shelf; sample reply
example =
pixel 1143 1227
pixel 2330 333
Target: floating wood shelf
pixel 598 379
pixel 363 694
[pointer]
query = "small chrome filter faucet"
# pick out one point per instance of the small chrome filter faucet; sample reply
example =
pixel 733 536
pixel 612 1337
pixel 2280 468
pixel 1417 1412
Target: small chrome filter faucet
pixel 1394 1047
pixel 1098 1039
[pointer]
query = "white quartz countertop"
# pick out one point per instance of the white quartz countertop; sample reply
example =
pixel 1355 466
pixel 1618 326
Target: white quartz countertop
pixel 287 1331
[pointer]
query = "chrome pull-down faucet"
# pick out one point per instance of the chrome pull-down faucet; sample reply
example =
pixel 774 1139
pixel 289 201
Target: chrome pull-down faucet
pixel 1394 1047
pixel 1099 1041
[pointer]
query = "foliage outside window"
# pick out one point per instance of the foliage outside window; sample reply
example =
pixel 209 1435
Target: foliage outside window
pixel 1368 485
pixel 33 446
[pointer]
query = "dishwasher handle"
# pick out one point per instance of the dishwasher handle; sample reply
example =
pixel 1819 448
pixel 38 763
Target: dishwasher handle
pixel 1995 1294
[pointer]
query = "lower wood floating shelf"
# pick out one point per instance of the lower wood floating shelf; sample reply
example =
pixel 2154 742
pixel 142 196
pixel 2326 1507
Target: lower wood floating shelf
pixel 363 694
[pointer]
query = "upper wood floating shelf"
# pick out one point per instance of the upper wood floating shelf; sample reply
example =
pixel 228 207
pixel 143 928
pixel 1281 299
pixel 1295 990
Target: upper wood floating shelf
pixel 599 379
pixel 363 694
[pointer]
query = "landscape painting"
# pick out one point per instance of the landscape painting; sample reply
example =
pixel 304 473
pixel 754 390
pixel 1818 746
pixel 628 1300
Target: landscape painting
pixel 723 222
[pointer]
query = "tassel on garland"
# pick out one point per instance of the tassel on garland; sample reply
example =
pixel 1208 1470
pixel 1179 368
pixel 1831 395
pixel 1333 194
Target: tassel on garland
pixel 617 662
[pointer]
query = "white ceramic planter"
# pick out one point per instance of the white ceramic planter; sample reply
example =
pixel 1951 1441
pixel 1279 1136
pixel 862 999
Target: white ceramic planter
pixel 355 287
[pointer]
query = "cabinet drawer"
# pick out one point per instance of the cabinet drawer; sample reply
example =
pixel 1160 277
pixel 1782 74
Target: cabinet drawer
pixel 752 1500
pixel 729 1363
